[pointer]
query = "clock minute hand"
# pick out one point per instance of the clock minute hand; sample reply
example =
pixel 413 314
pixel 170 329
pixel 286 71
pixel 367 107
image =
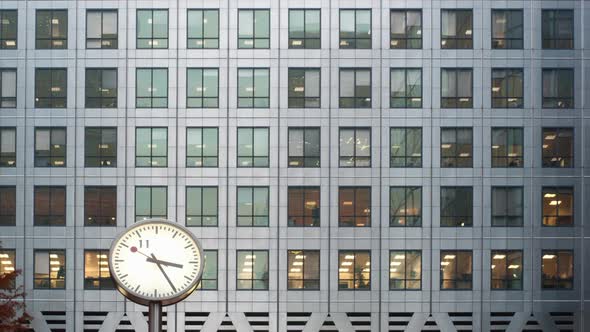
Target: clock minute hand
pixel 151 260
pixel 163 272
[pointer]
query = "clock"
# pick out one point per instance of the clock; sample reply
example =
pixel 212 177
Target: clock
pixel 156 261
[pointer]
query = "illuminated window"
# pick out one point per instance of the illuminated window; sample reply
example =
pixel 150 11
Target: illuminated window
pixel 355 88
pixel 151 89
pixel 50 206
pixel 558 206
pixel 8 29
pixel 507 147
pixel 406 29
pixel 202 147
pixel 558 28
pixel 210 271
pixel 101 29
pixel 7 266
pixel 303 269
pixel 456 88
pixel 7 86
pixel 304 87
pixel 507 88
pixel 96 270
pixel 405 270
pixel 354 270
pixel 253 28
pixel 51 88
pixel 201 206
pixel 303 206
pixel 253 206
pixel 456 206
pixel 100 146
pixel 50 147
pixel 100 206
pixel 405 206
pixel 202 87
pixel 456 147
pixel 152 28
pixel 558 147
pixel 406 147
pixel 151 202
pixel 202 28
pixel 507 29
pixel 456 29
pixel 355 28
pixel 557 269
pixel 253 147
pixel 7 146
pixel 304 28
pixel 252 270
pixel 456 269
pixel 558 88
pixel 506 269
pixel 354 206
pixel 304 147
pixel 51 30
pixel 507 206
pixel 151 147
pixel 405 88
pixel 355 147
pixel 50 269
pixel 101 87
pixel 7 205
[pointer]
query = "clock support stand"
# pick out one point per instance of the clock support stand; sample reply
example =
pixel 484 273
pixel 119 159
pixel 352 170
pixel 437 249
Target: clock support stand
pixel 155 317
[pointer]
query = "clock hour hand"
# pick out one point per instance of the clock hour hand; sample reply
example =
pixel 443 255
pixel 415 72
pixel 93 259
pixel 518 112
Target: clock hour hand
pixel 163 272
pixel 151 260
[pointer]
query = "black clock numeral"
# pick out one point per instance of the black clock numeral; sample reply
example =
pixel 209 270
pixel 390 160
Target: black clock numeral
pixel 142 242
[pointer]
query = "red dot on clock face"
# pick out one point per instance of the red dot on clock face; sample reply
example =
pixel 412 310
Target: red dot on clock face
pixel 133 249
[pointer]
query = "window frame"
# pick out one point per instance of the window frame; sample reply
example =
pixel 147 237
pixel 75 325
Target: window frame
pixel 355 216
pixel 253 216
pixel 507 158
pixel 50 156
pixel 49 253
pixel 455 217
pixel 54 99
pixel 304 189
pixel 455 39
pixel 405 38
pixel 101 156
pixel 202 23
pixel 355 98
pixel 202 156
pixel 7 157
pixel 405 215
pixel 151 38
pixel 556 253
pixel 151 215
pixel 506 99
pixel 202 98
pixel 355 38
pixel 253 252
pixel 101 220
pixel 200 284
pixel 8 99
pixel 151 155
pixel 304 39
pixel 100 280
pixel 405 279
pixel 252 99
pixel 354 252
pixel 252 157
pixel 559 192
pixel 555 40
pixel 254 39
pixel 202 215
pixel 508 40
pixel 305 157
pixel 456 157
pixel 151 96
pixel 102 100
pixel 304 252
pixel 8 219
pixel 456 100
pixel 406 157
pixel 354 148
pixel 566 158
pixel 51 39
pixel 506 216
pixel 4 41
pixel 406 98
pixel 53 219
pixel 305 99
pixel 505 280
pixel 569 102
pixel 455 252
pixel 114 41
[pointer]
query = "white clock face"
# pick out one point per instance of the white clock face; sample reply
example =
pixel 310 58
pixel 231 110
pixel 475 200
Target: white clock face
pixel 156 260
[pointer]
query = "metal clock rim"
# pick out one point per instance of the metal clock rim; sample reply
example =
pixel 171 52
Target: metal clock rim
pixel 165 301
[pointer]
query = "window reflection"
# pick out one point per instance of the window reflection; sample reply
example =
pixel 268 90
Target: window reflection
pixel 456 206
pixel 557 269
pixel 405 270
pixel 506 269
pixel 96 270
pixel 507 206
pixel 558 147
pixel 50 269
pixel 252 270
pixel 7 266
pixel 354 206
pixel 558 206
pixel 405 206
pixel 456 269
pixel 303 269
pixel 456 29
pixel 355 147
pixel 456 146
pixel 253 206
pixel 303 206
pixel 354 270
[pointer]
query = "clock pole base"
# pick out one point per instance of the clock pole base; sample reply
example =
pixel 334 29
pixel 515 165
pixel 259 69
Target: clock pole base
pixel 155 317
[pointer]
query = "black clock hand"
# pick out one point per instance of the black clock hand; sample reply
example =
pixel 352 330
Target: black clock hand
pixel 151 260
pixel 164 273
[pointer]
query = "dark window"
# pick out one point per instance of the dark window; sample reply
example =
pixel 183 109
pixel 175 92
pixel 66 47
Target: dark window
pixel 456 29
pixel 507 29
pixel 303 206
pixel 558 29
pixel 252 269
pixel 7 87
pixel 252 206
pixel 7 205
pixel 558 147
pixel 101 87
pixel 304 147
pixel 50 206
pixel 303 269
pixel 253 88
pixel 51 88
pixel 507 206
pixel 456 88
pixel 50 269
pixel 7 146
pixel 406 29
pixel 152 28
pixel 354 206
pixel 355 147
pixel 304 28
pixel 101 29
pixel 151 202
pixel 304 87
pixel 7 267
pixel 253 147
pixel 96 270
pixel 507 147
pixel 406 88
pixel 558 88
pixel 456 269
pixel 354 270
pixel 406 147
pixel 253 28
pixel 51 30
pixel 405 206
pixel 202 147
pixel 557 269
pixel 507 88
pixel 151 87
pixel 202 87
pixel 355 88
pixel 355 28
pixel 100 206
pixel 558 206
pixel 456 206
pixel 201 206
pixel 202 29
pixel 151 147
pixel 506 269
pixel 210 271
pixel 456 147
pixel 405 270
pixel 50 147
pixel 8 29
pixel 100 147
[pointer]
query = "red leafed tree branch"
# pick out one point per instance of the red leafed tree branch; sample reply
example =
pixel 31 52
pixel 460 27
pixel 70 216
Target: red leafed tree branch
pixel 13 315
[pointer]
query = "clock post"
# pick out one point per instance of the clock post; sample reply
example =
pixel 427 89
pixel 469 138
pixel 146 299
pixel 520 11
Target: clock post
pixel 155 317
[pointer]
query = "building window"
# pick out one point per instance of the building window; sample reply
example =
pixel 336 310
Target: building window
pixel 355 147
pixel 210 271
pixel 507 88
pixel 456 206
pixel 7 146
pixel 7 205
pixel 355 28
pixel 304 28
pixel 100 147
pixel 253 147
pixel 253 28
pixel 456 269
pixel 507 147
pixel 303 206
pixel 8 29
pixel 456 88
pixel 354 205
pixel 8 266
pixel 51 87
pixel 304 147
pixel 100 206
pixel 151 147
pixel 354 270
pixel 558 147
pixel 152 28
pixel 405 206
pixel 558 206
pixel 151 202
pixel 558 88
pixel 303 270
pixel 7 87
pixel 558 29
pixel 101 87
pixel 355 88
pixel 151 88
pixel 304 87
pixel 101 29
pixel 50 269
pixel 50 206
pixel 202 29
pixel 202 147
pixel 557 269
pixel 507 206
pixel 252 269
pixel 406 88
pixel 507 29
pixel 50 147
pixel 406 29
pixel 506 269
pixel 51 30
pixel 253 88
pixel 405 270
pixel 201 206
pixel 202 87
pixel 253 206
pixel 456 29
pixel 456 147
pixel 96 270
pixel 406 147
